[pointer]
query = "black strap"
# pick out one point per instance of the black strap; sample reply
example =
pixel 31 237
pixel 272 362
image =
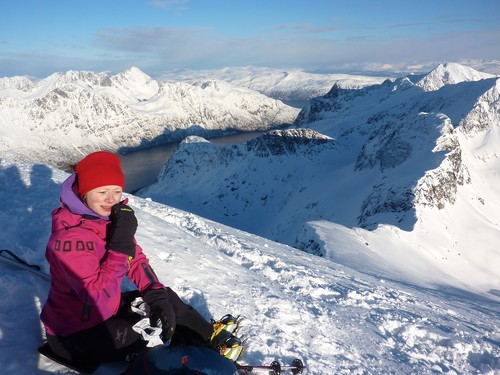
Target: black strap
pixel 22 261
pixel 83 367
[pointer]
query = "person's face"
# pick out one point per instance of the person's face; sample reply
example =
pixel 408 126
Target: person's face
pixel 101 199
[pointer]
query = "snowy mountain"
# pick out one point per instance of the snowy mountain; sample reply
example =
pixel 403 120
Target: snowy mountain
pixel 65 115
pixel 336 319
pixel 293 85
pixel 449 74
pixel 412 162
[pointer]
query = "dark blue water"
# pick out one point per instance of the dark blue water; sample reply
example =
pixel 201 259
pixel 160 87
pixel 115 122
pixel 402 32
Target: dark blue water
pixel 141 168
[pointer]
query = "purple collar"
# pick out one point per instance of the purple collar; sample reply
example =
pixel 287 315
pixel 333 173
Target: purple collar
pixel 70 199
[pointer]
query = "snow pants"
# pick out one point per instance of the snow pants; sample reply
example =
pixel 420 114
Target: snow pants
pixel 115 339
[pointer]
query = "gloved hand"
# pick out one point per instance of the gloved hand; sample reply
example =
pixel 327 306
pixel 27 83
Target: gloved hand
pixel 161 311
pixel 121 230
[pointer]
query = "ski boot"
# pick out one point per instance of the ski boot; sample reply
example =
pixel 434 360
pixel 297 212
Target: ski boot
pixel 223 338
pixel 226 323
pixel 231 347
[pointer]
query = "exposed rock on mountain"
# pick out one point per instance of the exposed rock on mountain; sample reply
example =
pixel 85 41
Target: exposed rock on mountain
pixel 276 143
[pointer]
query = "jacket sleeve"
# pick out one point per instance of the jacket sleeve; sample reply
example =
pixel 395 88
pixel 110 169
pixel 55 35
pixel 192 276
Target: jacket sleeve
pixel 141 273
pixel 93 273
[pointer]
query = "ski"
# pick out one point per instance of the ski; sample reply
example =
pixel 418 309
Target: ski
pixel 275 368
pixel 15 261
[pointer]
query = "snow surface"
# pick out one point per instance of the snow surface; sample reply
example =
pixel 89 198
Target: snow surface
pixel 336 319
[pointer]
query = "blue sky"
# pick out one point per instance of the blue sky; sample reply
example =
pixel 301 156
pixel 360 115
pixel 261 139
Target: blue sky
pixel 40 37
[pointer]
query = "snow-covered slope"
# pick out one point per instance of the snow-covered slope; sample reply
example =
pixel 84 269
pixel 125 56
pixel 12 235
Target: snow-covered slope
pixel 337 320
pixel 295 85
pixel 65 115
pixel 394 163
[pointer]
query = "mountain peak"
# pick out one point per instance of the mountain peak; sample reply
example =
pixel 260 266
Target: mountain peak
pixel 134 73
pixel 449 74
pixel 133 85
pixel 18 83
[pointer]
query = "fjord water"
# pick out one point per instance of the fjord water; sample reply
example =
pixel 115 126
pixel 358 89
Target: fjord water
pixel 141 167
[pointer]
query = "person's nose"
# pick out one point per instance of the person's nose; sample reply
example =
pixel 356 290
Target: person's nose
pixel 109 197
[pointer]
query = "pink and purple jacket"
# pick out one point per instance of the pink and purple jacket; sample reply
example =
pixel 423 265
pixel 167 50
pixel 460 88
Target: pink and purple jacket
pixel 86 279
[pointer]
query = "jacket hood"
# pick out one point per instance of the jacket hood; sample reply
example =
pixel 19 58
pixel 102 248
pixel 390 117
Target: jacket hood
pixel 72 202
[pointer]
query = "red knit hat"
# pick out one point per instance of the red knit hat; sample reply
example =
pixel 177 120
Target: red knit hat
pixel 100 168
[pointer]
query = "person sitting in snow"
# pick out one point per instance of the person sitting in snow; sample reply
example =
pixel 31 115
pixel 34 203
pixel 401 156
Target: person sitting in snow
pixel 87 318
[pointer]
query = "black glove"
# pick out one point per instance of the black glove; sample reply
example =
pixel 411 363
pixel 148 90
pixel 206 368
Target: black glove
pixel 121 230
pixel 161 311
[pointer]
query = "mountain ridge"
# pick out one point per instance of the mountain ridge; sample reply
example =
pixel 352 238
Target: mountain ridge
pixel 293 85
pixel 65 115
pixel 398 157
